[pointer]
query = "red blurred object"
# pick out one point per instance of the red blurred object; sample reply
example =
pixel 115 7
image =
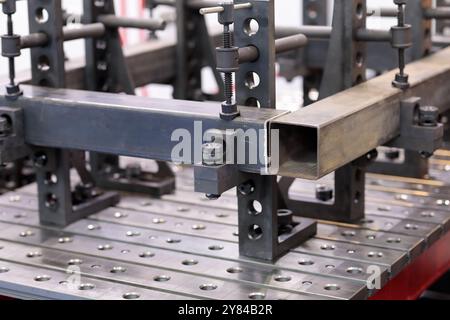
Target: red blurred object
pixel 419 275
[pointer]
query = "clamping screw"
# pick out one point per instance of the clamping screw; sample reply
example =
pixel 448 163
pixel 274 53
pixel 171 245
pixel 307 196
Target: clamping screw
pixel 227 55
pixel 324 193
pixel 401 40
pixel 12 89
pixel 213 154
pixel 428 116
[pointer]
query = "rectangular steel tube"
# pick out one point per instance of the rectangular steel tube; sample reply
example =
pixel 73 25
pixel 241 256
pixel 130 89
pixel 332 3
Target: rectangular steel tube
pixel 129 125
pixel 322 137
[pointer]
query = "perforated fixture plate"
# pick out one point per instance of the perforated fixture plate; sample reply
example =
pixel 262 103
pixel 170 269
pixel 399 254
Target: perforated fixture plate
pixel 185 247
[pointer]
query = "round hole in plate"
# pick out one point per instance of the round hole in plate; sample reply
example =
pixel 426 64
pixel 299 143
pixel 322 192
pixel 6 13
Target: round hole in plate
pixel 75 262
pixel 351 251
pixel 41 15
pixel 306 262
pixel 104 247
pixel 428 214
pixel 255 208
pixel 410 226
pixel 282 278
pixel 215 247
pixel 34 254
pixel 371 237
pixel 43 66
pixel 393 240
pixel 158 221
pixel 306 283
pixel 208 287
pixel 118 269
pixel 86 286
pixel 133 233
pixel 189 262
pixel 131 296
pixel 4 269
pixel 255 232
pixel 348 233
pixel 42 278
pixel 119 215
pixel 92 227
pixel 251 27
pixel 146 254
pixel 332 287
pixel 183 209
pixel 222 215
pixel 27 233
pixel 252 80
pixel 96 266
pixel 257 296
pixel 327 247
pixel 161 278
pixel 125 251
pixel 198 227
pixel 63 283
pixel 373 254
pixel 171 240
pixel 235 270
pixel 330 266
pixel 65 240
pixel 354 270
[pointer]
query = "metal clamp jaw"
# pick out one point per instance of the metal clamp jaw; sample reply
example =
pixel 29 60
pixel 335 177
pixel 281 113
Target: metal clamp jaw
pixel 227 56
pixel 12 140
pixel 267 229
pixel 420 130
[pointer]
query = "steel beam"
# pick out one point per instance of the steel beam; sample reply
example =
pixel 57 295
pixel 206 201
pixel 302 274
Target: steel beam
pixel 317 140
pixel 314 141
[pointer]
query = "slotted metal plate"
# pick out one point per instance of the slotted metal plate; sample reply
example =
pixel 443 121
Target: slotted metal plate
pixel 184 246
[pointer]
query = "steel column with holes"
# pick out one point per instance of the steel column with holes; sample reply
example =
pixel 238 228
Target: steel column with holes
pixel 268 232
pixel 56 201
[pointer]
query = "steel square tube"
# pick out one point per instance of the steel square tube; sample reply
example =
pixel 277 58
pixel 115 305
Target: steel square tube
pixel 324 136
pixel 127 125
pixel 314 141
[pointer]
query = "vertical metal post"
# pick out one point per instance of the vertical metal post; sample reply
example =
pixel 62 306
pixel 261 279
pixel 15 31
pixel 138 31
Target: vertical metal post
pixel 345 67
pixel 47 66
pixel 255 81
pixel 346 63
pixel 107 71
pixel 190 24
pixel 56 205
pixel 261 222
pixel 315 13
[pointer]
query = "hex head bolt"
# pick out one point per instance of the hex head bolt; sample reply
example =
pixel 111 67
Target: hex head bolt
pixel 11 49
pixel 227 55
pixel 213 155
pixel 324 193
pixel 401 40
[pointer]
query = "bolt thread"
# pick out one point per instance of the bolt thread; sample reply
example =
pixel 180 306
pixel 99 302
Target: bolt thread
pixel 228 87
pixel 227 39
pixel 401 16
